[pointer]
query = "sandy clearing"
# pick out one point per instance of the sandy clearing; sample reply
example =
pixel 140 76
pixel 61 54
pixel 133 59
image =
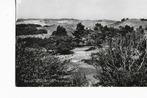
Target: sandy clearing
pixel 79 54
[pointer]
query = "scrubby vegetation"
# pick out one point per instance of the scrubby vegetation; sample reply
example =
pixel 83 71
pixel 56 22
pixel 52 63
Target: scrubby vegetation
pixel 29 29
pixel 61 31
pixel 121 60
pixel 124 62
pixel 39 68
pixel 143 19
pixel 61 45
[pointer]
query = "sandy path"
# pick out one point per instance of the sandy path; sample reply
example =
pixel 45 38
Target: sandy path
pixel 84 68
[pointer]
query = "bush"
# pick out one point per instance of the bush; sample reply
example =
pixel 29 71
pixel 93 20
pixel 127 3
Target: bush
pixel 58 44
pixel 80 31
pixel 61 44
pixel 35 68
pixel 142 19
pixel 119 71
pixel 102 34
pixel 29 29
pixel 29 42
pixel 61 31
pixel 124 63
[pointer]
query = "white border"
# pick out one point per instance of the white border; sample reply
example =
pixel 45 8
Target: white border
pixel 7 70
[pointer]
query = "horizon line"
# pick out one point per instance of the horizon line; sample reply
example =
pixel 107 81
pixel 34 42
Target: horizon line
pixel 79 18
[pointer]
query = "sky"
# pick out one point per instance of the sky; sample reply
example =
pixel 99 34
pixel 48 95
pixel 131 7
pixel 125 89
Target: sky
pixel 81 9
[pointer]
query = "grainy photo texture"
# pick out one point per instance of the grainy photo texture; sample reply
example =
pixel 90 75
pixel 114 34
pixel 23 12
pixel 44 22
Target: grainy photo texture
pixel 81 43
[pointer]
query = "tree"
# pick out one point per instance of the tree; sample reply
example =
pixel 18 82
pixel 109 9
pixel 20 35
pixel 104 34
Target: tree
pixel 80 31
pixel 124 19
pixel 140 29
pixel 61 31
pixel 98 27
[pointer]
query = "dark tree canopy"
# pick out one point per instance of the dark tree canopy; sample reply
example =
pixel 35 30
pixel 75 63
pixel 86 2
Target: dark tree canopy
pixel 80 27
pixel 97 27
pixel 80 31
pixel 29 29
pixel 124 30
pixel 61 31
pixel 124 19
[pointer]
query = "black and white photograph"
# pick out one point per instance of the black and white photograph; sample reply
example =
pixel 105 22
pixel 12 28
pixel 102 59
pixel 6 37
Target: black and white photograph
pixel 81 43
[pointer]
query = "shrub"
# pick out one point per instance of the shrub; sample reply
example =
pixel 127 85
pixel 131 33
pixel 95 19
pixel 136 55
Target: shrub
pixel 61 44
pixel 80 31
pixel 29 42
pixel 98 27
pixel 102 34
pixel 29 29
pixel 34 68
pixel 58 44
pixel 61 31
pixel 124 19
pixel 124 63
pixel 142 19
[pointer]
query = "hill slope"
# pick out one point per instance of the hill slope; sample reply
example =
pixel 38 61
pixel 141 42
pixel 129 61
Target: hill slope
pixel 131 22
pixel 70 24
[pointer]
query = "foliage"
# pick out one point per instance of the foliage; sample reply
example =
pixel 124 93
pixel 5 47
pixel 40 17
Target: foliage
pixel 124 63
pixel 61 31
pixel 29 42
pixel 61 44
pixel 29 29
pixel 143 19
pixel 102 34
pixel 56 44
pixel 35 68
pixel 124 19
pixel 98 27
pixel 80 31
